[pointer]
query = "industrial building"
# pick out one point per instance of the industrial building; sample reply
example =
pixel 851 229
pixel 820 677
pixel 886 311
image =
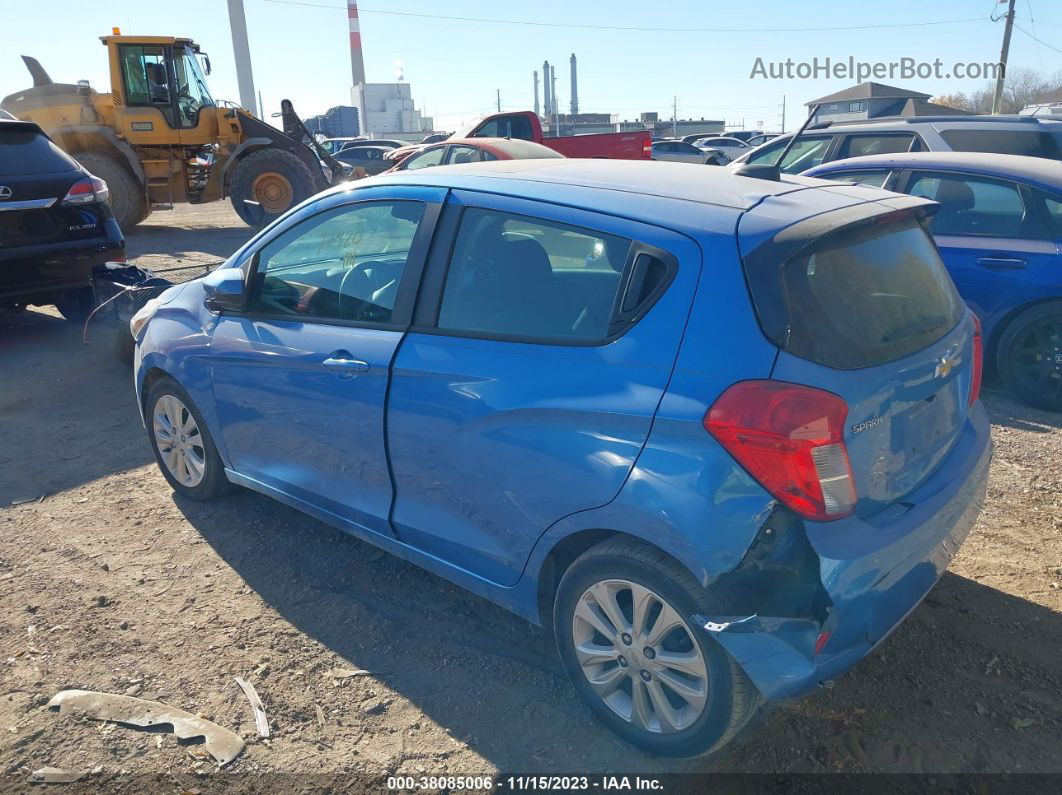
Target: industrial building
pixel 384 109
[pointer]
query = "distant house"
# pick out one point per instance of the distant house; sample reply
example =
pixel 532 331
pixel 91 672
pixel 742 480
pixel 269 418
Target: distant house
pixel 875 100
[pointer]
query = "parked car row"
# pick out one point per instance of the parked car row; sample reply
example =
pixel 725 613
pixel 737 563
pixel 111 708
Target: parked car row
pixel 721 433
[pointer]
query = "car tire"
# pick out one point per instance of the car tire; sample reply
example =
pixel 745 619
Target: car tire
pixel 127 199
pixel 77 305
pixel 196 473
pixel 275 179
pixel 1029 356
pixel 620 571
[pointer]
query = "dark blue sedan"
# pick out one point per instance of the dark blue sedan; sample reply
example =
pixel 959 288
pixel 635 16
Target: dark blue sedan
pixel 998 229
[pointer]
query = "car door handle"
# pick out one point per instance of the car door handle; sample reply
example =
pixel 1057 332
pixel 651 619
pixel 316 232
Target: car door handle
pixel 1001 263
pixel 344 366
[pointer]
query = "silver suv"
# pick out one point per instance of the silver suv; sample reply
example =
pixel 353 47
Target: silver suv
pixel 1012 135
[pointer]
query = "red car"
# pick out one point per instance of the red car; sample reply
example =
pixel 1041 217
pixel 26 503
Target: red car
pixel 474 150
pixel 526 126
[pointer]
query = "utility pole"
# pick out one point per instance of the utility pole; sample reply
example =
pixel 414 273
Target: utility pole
pixel 499 99
pixel 997 97
pixel 674 117
pixel 783 113
pixel 241 50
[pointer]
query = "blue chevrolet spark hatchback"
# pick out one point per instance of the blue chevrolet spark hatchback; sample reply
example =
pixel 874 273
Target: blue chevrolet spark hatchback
pixel 722 433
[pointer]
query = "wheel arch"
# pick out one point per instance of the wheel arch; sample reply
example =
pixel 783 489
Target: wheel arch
pixel 999 328
pixel 565 551
pixel 100 140
pixel 243 148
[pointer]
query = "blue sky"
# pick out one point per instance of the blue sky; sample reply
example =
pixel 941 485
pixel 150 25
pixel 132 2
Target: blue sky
pixel 300 51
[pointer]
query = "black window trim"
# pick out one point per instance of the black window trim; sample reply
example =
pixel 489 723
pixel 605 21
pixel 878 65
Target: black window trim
pixel 433 284
pixel 402 314
pixel 1034 206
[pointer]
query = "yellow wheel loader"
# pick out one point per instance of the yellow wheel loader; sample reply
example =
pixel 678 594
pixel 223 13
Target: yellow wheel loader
pixel 158 137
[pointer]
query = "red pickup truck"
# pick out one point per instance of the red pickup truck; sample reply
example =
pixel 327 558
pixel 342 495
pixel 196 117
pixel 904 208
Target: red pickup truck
pixel 525 125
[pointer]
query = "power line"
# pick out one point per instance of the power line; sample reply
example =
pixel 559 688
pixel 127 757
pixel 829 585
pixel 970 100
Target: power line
pixel 1038 41
pixel 637 28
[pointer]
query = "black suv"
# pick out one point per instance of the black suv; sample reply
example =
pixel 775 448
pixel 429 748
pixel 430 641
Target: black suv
pixel 55 225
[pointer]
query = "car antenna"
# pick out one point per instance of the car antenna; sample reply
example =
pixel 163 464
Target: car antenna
pixel 773 171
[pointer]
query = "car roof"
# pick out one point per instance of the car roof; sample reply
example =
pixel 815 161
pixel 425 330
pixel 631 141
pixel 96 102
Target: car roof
pixel 579 182
pixel 1030 169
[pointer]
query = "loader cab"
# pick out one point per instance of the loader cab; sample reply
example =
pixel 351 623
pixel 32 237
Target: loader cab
pixel 159 86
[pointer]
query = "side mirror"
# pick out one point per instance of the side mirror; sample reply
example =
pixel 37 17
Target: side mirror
pixel 255 213
pixel 224 289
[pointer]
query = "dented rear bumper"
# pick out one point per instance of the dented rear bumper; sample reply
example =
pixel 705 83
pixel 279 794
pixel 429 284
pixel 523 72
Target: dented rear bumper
pixel 874 571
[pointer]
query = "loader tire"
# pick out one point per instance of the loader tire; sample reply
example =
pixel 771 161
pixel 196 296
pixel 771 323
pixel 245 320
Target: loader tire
pixel 127 200
pixel 275 179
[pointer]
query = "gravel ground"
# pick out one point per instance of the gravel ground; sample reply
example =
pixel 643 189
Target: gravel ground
pixel 109 582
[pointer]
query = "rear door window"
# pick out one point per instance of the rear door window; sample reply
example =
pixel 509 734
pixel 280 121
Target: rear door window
pixel 876 144
pixel 24 150
pixel 972 205
pixel 463 154
pixel 1033 143
pixel 531 279
pixel 863 296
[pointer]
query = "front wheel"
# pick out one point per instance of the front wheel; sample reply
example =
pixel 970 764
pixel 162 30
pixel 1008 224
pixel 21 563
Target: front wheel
pixel 181 442
pixel 622 619
pixel 276 179
pixel 1029 356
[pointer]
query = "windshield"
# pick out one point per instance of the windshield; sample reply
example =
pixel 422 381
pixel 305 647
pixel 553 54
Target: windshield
pixel 192 92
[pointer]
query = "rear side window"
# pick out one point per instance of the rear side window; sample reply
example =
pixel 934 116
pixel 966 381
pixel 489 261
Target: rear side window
pixel 507 127
pixel 1032 143
pixel 859 145
pixel 875 179
pixel 532 279
pixel 973 205
pixel 867 295
pixel 27 151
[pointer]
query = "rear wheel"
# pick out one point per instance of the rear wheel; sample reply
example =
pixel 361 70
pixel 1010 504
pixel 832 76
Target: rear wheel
pixel 183 448
pixel 127 200
pixel 1029 356
pixel 275 179
pixel 622 617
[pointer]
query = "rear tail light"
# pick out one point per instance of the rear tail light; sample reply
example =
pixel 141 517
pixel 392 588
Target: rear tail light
pixel 791 439
pixel 647 149
pixel 86 191
pixel 978 361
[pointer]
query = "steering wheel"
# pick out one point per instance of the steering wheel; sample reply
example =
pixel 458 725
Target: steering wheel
pixel 392 272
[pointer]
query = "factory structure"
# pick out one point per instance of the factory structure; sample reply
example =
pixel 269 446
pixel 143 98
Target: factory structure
pixel 380 109
pixel 556 122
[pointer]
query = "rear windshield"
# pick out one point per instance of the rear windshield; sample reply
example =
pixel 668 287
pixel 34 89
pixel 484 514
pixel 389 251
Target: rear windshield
pixel 1032 143
pixel 868 295
pixel 29 152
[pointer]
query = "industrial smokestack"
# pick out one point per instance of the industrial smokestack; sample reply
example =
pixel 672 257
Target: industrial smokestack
pixel 554 105
pixel 536 93
pixel 575 88
pixel 546 101
pixel 357 60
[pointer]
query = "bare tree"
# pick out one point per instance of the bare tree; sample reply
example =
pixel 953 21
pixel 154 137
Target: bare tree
pixel 1023 87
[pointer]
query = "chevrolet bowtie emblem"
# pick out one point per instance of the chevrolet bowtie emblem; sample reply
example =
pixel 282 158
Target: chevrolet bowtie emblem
pixel 945 366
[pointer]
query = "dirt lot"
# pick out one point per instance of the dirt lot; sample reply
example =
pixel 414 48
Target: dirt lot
pixel 107 582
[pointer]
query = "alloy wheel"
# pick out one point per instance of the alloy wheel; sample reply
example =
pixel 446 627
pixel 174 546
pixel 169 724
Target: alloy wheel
pixel 179 441
pixel 639 656
pixel 1037 359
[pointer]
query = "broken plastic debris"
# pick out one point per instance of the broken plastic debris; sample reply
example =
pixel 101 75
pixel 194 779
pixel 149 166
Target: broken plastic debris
pixel 261 721
pixel 346 673
pixel 56 775
pixel 220 743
